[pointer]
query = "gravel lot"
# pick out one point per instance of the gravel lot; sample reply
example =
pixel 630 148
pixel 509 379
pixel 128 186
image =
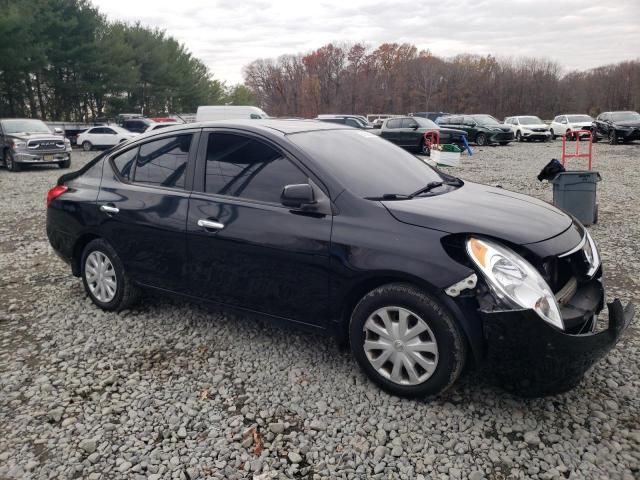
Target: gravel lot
pixel 174 390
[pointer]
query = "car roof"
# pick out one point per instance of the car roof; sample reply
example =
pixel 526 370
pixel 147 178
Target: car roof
pixel 284 126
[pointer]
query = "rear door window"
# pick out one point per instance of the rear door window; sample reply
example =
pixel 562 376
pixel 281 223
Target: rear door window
pixel 396 123
pixel 409 123
pixel 163 162
pixel 245 167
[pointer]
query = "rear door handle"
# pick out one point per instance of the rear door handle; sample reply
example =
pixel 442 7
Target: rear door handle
pixel 109 209
pixel 210 224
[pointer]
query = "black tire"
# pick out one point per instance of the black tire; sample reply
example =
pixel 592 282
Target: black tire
pixel 553 135
pixel 613 138
pixel 87 146
pixel 519 136
pixel 481 139
pixel 10 162
pixel 424 149
pixel 65 164
pixel 594 136
pixel 452 346
pixel 126 291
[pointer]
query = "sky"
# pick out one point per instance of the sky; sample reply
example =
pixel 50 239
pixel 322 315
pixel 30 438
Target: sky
pixel 228 34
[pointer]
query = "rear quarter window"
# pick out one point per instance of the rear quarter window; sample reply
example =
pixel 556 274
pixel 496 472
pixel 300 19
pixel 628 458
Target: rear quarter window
pixel 163 162
pixel 124 163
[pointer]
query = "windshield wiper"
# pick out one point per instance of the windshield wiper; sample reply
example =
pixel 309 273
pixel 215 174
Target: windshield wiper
pixel 426 189
pixel 390 196
pixel 451 181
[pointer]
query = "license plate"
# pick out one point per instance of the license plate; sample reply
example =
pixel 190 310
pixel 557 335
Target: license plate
pixel 47 158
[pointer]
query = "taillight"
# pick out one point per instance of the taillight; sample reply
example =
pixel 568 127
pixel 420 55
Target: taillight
pixel 55 192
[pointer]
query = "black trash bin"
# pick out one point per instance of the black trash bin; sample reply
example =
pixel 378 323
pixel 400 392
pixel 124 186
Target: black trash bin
pixel 575 192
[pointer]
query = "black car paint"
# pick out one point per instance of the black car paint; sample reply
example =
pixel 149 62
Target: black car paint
pixel 473 129
pixel 294 265
pixel 603 126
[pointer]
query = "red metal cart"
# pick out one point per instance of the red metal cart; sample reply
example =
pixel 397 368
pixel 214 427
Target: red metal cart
pixel 578 135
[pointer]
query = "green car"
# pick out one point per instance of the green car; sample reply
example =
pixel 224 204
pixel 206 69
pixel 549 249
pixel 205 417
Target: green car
pixel 481 129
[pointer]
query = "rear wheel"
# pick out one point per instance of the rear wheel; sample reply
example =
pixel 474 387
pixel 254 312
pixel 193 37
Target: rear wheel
pixel 481 139
pixel 104 278
pixel 406 342
pixel 10 162
pixel 86 146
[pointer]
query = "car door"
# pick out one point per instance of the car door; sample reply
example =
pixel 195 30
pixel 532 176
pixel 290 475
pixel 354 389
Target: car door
pixel 109 137
pixel 391 130
pixel 143 203
pixel 409 134
pixel 244 247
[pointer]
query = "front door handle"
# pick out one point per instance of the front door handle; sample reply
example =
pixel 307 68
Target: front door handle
pixel 210 224
pixel 109 209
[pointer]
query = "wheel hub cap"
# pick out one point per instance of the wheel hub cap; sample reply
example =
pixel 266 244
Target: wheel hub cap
pixel 400 345
pixel 100 276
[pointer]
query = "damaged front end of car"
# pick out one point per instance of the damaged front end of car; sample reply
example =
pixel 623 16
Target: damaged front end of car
pixel 540 318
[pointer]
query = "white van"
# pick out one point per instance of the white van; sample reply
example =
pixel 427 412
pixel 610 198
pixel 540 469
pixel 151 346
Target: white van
pixel 228 112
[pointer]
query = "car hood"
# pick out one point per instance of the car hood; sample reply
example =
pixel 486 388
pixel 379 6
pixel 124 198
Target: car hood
pixel 496 128
pixel 35 136
pixel 628 123
pixel 483 210
pixel 580 124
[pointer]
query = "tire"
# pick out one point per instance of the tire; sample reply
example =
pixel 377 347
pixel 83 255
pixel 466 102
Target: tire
pixel 613 139
pixel 444 362
pixel 125 292
pixel 86 146
pixel 423 149
pixel 553 135
pixel 65 164
pixel 594 136
pixel 10 162
pixel 519 136
pixel 481 139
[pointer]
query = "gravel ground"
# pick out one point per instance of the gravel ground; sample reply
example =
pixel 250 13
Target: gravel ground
pixel 174 390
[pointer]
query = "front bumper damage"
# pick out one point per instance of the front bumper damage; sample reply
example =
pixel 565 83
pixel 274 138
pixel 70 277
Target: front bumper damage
pixel 530 357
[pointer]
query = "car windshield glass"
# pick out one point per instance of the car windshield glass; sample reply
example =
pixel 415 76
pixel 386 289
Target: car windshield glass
pixel 625 116
pixel 530 121
pixel 366 164
pixel 426 123
pixel 580 118
pixel 24 126
pixel 485 120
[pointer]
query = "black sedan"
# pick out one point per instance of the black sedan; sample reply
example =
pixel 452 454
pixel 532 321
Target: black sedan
pixel 336 230
pixel 616 127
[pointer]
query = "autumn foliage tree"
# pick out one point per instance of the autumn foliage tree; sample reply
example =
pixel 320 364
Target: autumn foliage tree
pixel 399 78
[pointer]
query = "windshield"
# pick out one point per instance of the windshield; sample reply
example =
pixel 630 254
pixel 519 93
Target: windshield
pixel 625 116
pixel 485 120
pixel 366 164
pixel 530 121
pixel 426 123
pixel 24 126
pixel 579 118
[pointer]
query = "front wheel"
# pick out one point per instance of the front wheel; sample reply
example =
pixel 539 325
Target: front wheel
pixel 65 164
pixel 553 135
pixel 613 138
pixel 86 146
pixel 104 278
pixel 594 136
pixel 518 136
pixel 10 162
pixel 481 139
pixel 406 341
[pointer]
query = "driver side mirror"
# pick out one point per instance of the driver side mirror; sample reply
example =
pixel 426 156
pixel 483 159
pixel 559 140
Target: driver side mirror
pixel 297 196
pixel 58 131
pixel 414 126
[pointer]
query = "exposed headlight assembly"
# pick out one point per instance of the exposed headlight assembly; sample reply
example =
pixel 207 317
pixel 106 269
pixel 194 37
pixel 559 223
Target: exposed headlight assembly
pixel 514 281
pixel 590 251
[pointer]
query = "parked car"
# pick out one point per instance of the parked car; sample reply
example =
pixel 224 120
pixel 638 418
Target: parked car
pixel 567 123
pixel 27 141
pixel 433 116
pixel 136 125
pixel 419 271
pixel 616 127
pixel 157 126
pixel 408 132
pixel 229 112
pixel 528 127
pixel 344 120
pixel 481 129
pixel 103 136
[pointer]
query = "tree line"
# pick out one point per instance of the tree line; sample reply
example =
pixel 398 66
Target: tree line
pixel 62 60
pixel 399 78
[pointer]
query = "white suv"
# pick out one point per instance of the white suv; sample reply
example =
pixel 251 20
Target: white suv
pixel 569 123
pixel 528 128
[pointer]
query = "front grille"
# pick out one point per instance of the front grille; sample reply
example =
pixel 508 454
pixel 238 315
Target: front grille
pixel 539 129
pixel 504 136
pixel 46 145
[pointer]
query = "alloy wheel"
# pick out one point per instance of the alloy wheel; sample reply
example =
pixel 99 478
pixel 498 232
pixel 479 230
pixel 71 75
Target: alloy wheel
pixel 101 276
pixel 400 345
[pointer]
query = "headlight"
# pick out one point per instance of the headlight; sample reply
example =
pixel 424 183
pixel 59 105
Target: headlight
pixel 16 144
pixel 591 254
pixel 514 280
